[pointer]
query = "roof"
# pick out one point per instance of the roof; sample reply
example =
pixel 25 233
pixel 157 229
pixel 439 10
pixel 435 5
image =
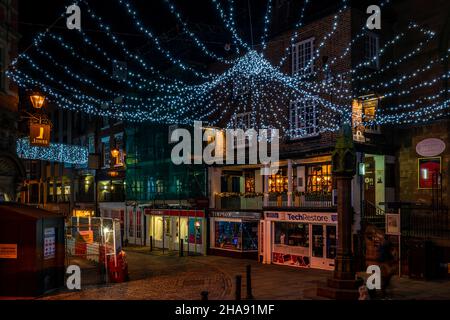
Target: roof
pixel 30 212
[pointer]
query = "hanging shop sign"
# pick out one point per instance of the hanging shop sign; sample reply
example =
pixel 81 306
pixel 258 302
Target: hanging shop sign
pixel 39 135
pixel 430 147
pixel 8 251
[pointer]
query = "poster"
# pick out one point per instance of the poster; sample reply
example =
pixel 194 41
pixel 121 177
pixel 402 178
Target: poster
pixel 392 224
pixel 429 170
pixel 86 236
pixel 195 231
pixel 49 243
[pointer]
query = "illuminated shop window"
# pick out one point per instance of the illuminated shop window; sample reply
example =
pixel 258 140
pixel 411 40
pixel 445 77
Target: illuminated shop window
pixel 250 182
pixel 278 183
pixel 319 179
pixel 238 236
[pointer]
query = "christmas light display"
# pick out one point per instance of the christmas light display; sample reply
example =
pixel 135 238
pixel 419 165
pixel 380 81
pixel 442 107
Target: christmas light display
pixel 248 83
pixel 56 152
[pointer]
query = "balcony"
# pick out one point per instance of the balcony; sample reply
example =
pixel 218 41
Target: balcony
pixel 239 202
pixel 85 197
pixel 302 201
pixel 111 197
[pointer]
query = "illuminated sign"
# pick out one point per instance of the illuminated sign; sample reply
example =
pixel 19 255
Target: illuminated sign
pixel 39 135
pixel 8 251
pixel 307 217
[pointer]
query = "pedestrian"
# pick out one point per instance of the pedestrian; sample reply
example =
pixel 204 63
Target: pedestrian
pixel 386 263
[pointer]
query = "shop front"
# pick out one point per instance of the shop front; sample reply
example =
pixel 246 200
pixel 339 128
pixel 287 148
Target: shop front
pixel 299 239
pixel 167 227
pixel 234 234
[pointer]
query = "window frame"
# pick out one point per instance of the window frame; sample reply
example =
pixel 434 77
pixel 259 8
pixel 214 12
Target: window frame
pixel 368 48
pixel 296 68
pixel 299 107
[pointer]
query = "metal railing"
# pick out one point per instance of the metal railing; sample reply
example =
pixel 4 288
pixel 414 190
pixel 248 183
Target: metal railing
pixel 374 215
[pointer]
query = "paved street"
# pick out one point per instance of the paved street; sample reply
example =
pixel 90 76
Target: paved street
pixel 157 276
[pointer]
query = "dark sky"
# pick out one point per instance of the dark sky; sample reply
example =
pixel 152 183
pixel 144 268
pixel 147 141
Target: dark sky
pixel 35 16
pixel 201 16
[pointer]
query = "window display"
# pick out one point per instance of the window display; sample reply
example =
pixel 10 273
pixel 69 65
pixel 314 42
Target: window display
pixel 195 231
pixel 291 244
pixel 240 236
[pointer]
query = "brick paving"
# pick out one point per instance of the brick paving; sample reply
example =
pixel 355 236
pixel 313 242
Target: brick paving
pixel 165 277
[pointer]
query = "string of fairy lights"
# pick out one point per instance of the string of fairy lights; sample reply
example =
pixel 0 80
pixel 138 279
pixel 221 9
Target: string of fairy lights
pixel 58 152
pixel 248 83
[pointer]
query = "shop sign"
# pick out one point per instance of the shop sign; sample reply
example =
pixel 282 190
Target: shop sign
pixel 307 217
pixel 235 214
pixel 174 212
pixel 8 251
pixel 430 147
pixel 39 135
pixel 273 215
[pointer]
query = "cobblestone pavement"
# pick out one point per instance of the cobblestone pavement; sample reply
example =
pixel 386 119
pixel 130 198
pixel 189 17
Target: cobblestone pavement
pixel 166 277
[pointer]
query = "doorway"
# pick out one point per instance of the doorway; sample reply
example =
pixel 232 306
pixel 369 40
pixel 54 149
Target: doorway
pixel 323 246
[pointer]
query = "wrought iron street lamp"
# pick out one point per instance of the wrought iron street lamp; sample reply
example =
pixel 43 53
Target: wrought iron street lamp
pixel 37 100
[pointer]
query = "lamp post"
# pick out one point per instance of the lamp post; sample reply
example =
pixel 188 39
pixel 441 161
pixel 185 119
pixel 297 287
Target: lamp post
pixel 343 283
pixel 37 100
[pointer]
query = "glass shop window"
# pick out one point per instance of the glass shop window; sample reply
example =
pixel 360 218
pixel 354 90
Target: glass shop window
pixel 278 183
pixel 228 235
pixel 250 235
pixel 292 234
pixel 250 182
pixel 239 236
pixel 319 179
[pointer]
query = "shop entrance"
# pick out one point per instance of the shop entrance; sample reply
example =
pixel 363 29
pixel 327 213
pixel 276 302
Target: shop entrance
pixel 301 239
pixel 323 246
pixel 166 232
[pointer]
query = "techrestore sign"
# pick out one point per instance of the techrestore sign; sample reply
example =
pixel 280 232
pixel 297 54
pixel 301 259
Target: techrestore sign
pixel 306 217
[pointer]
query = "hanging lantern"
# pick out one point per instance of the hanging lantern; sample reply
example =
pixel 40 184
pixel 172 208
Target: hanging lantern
pixel 37 100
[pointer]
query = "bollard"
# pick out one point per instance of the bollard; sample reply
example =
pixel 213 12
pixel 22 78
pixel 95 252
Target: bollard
pixel 238 287
pixel 181 247
pixel 204 295
pixel 151 243
pixel 249 282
